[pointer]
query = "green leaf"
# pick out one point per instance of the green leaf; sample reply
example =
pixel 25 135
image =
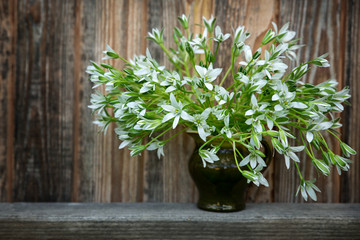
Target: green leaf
pixel 283 137
pixel 347 150
pixel 272 133
pixel 255 140
pixel 101 71
pixel 112 55
pixel 326 157
pixel 136 150
pixel 320 165
pixel 277 145
pixel 108 66
pixel 178 32
pixel 249 175
pixel 260 153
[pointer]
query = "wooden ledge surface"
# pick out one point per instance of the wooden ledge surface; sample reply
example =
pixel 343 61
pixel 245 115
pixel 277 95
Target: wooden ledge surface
pixel 177 221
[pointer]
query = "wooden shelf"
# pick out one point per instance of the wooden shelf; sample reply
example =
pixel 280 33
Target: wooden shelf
pixel 177 221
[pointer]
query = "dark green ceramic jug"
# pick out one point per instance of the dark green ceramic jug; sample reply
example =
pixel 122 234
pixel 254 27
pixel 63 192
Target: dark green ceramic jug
pixel 221 186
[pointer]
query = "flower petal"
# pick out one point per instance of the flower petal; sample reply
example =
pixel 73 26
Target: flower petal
pixel 176 121
pixel 167 117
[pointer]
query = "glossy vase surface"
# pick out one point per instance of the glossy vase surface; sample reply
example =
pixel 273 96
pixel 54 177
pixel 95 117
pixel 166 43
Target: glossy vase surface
pixel 221 186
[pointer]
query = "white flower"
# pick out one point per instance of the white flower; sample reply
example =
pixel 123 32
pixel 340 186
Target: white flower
pixel 208 75
pixel 197 44
pixel 98 102
pixel 307 188
pixel 255 107
pixel 184 21
pixel 226 129
pixel 124 137
pixel 156 35
pixel 183 17
pixel 271 65
pixel 137 107
pixel 284 35
pixel 175 111
pixel 281 48
pixel 172 81
pixel 222 95
pixel 253 158
pixel 240 36
pixel 317 124
pixel 242 78
pixel 260 111
pixel 209 24
pixel 285 98
pixel 157 145
pixel 202 126
pixel 289 153
pixel 255 123
pixel 150 84
pixel 200 43
pixel 248 53
pixel 146 66
pixel 290 52
pixel 219 36
pixel 208 156
pixel 255 176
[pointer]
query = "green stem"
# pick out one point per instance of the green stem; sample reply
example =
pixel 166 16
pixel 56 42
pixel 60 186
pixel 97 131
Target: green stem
pixel 231 86
pixel 168 53
pixel 334 135
pixel 298 170
pixel 126 61
pixel 208 141
pixel 167 140
pixel 227 73
pixel 216 51
pixel 232 62
pixel 236 161
pixel 187 69
pixel 327 147
pixel 152 140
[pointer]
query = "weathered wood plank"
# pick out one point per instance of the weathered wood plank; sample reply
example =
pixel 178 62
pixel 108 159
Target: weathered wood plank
pixel 118 177
pixel 154 190
pixel 84 132
pixel 318 23
pixel 167 179
pixel 7 75
pixel 178 221
pixel 256 16
pixel 351 118
pixel 50 150
pixel 44 101
pixel 178 185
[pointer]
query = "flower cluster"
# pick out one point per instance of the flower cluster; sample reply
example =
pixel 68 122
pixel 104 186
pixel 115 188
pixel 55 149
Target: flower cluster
pixel 264 99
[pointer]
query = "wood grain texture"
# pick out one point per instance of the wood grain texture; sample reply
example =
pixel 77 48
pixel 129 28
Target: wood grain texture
pixel 44 101
pixel 256 16
pixel 7 72
pixel 119 178
pixel 84 132
pixel 177 221
pixel 51 151
pixel 319 24
pixel 351 118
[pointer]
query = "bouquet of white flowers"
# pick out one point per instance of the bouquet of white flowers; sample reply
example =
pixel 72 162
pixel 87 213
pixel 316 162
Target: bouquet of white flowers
pixel 265 98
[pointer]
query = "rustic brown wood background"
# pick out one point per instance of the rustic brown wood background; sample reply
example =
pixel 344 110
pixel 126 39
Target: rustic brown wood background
pixel 51 151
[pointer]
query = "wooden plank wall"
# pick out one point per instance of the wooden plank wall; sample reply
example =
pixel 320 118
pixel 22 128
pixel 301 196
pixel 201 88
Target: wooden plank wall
pixel 49 148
